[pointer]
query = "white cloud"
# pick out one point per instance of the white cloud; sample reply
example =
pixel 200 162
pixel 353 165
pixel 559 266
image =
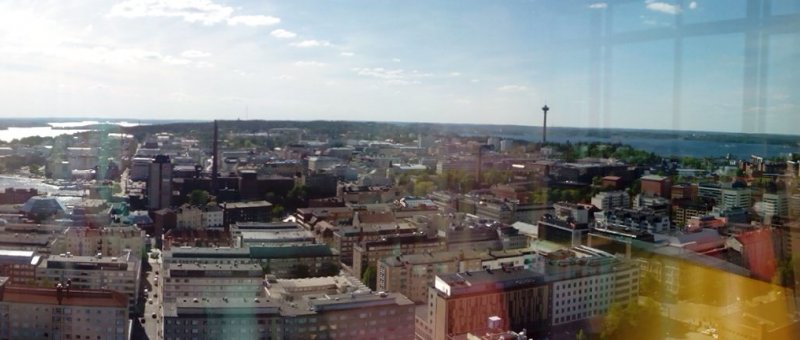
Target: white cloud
pixel 282 34
pixel 347 54
pixel 474 81
pixel 693 5
pixel 195 54
pixel 310 63
pixel 512 88
pixel 396 60
pixel 97 87
pixel 598 5
pixel 662 7
pixel 205 12
pixel 455 74
pixel 311 43
pixel 283 77
pixel 203 64
pixel 393 76
pixel 175 60
pixel 112 55
pixel 254 20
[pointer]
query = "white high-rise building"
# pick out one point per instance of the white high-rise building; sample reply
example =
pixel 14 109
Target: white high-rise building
pixel 611 199
pixel 735 198
pixel 775 205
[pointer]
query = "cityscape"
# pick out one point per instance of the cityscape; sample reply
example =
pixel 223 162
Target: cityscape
pixel 201 169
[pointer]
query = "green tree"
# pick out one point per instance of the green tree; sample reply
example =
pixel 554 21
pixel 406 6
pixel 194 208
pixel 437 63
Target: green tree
pixel 370 277
pixel 423 188
pixel 277 211
pixel 198 197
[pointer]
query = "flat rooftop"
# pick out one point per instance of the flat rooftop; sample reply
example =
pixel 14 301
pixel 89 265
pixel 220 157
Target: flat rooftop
pixel 251 204
pixel 276 235
pixel 233 306
pixel 49 296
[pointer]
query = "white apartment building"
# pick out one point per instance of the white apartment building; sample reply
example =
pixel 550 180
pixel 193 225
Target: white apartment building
pixel 775 205
pixel 735 198
pixel 192 280
pixel 611 199
pixel 212 216
pixel 632 219
pixel 188 216
pixel 119 274
pixel 111 241
pixel 588 290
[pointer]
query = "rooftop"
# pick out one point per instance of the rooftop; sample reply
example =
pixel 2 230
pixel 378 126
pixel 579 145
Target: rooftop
pixel 75 297
pixel 250 204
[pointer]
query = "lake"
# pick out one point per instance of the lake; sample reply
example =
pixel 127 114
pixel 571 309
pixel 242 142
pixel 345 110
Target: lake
pixel 54 129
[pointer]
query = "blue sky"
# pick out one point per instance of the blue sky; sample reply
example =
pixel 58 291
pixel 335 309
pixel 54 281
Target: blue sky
pixel 470 61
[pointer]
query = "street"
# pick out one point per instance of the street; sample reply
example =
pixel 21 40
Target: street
pixel 150 325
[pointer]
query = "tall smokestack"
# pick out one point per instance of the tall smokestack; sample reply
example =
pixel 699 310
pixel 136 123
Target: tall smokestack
pixel 215 161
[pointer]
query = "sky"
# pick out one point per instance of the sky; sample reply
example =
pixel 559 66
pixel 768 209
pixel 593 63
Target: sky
pixel 459 61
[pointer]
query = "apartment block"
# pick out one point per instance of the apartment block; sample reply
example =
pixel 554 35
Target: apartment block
pixel 62 313
pixel 368 253
pixel 574 284
pixel 192 280
pixel 320 308
pixel 109 241
pixel 120 274
pixel 611 199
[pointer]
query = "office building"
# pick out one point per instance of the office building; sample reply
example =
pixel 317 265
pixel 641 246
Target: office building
pixel 159 183
pixel 654 185
pixel 253 211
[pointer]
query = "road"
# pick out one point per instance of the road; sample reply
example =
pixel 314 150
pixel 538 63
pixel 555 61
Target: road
pixel 150 326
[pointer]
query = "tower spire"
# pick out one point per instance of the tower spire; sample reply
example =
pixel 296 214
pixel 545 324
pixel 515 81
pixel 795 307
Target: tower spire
pixel 544 125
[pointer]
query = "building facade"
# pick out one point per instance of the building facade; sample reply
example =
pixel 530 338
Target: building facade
pixel 120 274
pixel 62 313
